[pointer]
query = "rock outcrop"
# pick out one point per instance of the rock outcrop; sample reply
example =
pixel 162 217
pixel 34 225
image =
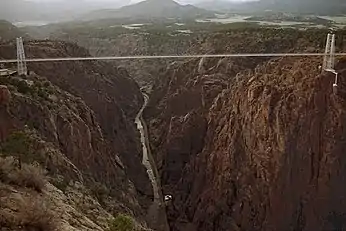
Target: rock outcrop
pixel 4 96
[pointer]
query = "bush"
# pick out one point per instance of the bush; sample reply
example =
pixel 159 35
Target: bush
pixel 37 215
pixel 29 176
pixel 6 167
pixel 18 143
pixel 29 213
pixel 122 223
pixel 60 183
pixel 23 87
pixel 99 190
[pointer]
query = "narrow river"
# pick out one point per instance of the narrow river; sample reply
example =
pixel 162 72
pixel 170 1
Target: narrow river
pixel 157 213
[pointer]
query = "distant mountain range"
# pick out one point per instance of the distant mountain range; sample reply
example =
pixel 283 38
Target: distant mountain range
pixel 51 11
pixel 9 31
pixel 68 10
pixel 307 6
pixel 290 6
pixel 152 9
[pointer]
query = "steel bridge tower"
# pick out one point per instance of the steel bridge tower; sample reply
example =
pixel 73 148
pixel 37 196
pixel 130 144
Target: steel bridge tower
pixel 21 63
pixel 329 58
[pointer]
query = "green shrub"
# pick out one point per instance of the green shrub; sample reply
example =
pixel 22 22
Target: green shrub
pixel 42 93
pixel 17 143
pixel 23 87
pixel 122 223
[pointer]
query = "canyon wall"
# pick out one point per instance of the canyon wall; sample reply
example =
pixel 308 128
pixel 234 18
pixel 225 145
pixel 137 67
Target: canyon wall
pixel 85 111
pixel 259 148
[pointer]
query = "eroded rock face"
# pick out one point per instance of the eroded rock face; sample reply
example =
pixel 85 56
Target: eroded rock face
pixel 110 93
pixel 273 158
pixel 263 152
pixel 87 111
pixel 5 95
pixel 5 126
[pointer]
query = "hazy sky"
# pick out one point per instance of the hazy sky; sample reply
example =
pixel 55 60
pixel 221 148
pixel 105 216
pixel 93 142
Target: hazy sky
pixel 93 4
pixel 128 0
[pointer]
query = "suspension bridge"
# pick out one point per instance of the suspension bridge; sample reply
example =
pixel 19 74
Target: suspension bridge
pixel 327 66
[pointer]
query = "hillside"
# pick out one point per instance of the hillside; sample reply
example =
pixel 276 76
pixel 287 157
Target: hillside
pixel 151 9
pixel 76 122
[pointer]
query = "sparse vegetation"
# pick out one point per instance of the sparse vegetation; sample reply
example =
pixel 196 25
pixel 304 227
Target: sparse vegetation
pixel 37 88
pixel 60 183
pixel 7 165
pixel 37 215
pixel 29 176
pixel 18 143
pixel 99 190
pixel 33 214
pixel 122 223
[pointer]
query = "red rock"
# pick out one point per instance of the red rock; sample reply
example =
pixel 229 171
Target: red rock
pixel 5 95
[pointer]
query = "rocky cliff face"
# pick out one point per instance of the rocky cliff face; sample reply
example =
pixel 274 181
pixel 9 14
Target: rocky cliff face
pixel 272 158
pixel 87 135
pixel 257 150
pixel 107 90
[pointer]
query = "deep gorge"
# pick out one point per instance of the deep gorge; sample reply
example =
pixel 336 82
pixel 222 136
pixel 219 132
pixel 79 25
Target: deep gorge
pixel 240 144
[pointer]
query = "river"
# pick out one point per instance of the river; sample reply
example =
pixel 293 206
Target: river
pixel 156 214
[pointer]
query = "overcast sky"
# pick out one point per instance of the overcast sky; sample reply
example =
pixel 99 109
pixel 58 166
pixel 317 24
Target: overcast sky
pixel 132 1
pixel 115 3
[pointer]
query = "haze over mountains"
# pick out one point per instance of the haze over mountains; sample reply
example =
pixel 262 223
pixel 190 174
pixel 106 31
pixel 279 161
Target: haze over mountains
pixel 63 10
pixel 306 6
pixel 292 6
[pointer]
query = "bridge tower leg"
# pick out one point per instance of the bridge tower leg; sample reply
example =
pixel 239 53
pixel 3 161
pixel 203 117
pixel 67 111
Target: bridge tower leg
pixel 21 63
pixel 329 59
pixel 327 52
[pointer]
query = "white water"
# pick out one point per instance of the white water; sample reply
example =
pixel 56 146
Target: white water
pixel 139 122
pixel 156 214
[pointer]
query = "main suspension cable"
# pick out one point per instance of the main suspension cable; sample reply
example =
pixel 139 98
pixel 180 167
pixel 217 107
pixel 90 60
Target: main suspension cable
pixel 168 57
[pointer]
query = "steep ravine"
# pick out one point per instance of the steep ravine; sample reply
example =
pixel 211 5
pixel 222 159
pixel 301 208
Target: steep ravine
pixel 86 112
pixel 262 150
pixel 156 215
